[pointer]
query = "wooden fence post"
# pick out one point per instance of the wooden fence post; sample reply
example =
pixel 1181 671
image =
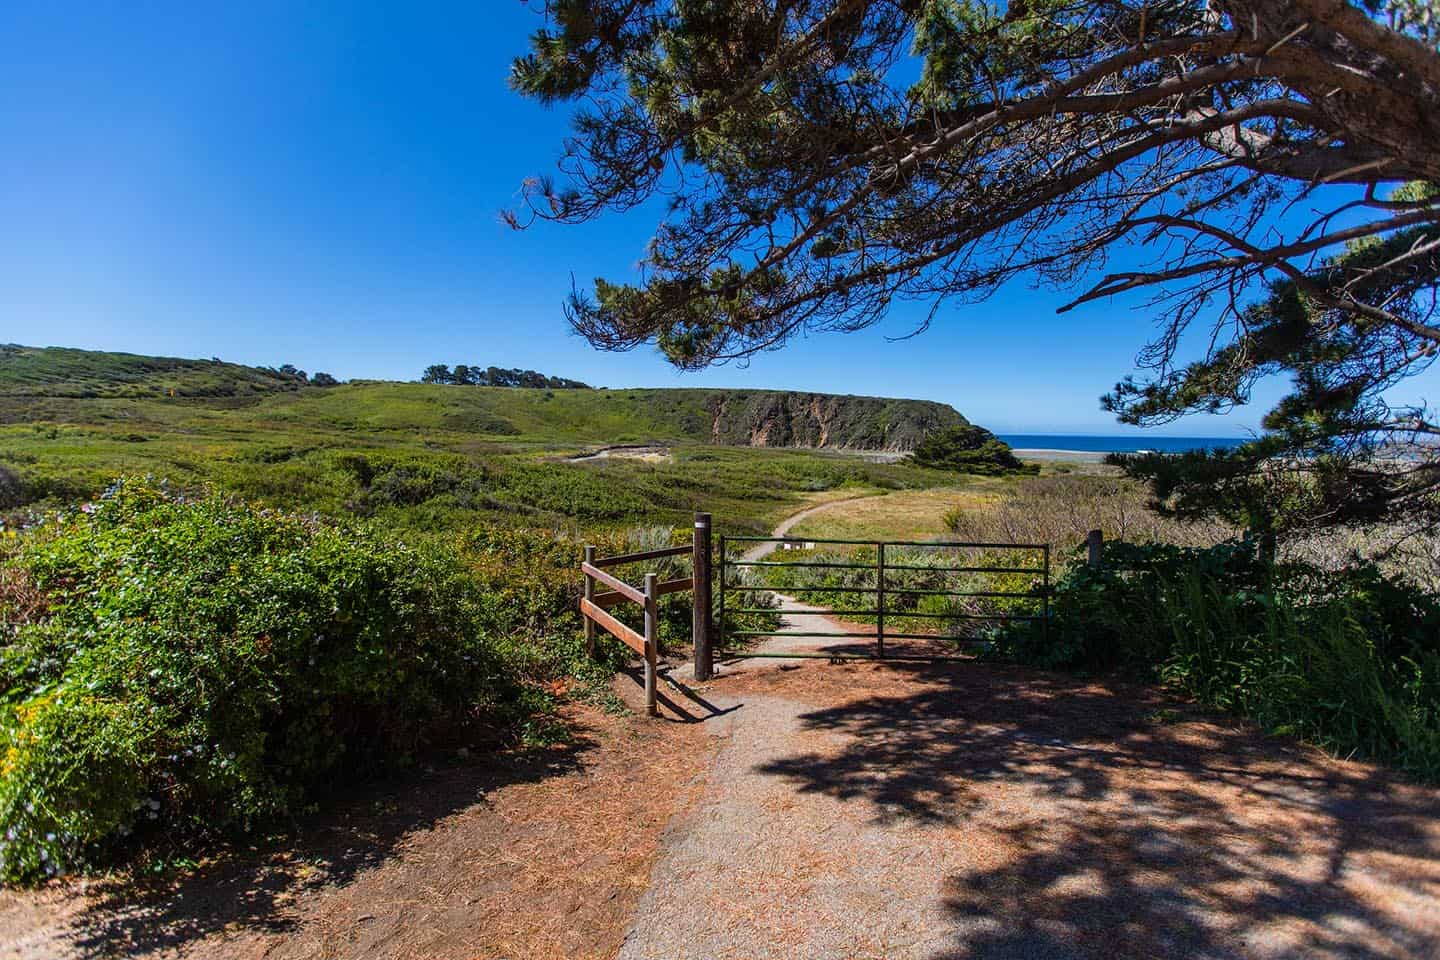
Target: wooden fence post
pixel 700 618
pixel 652 634
pixel 589 595
pixel 1095 542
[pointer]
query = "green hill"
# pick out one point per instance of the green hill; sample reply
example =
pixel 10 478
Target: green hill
pixel 65 372
pixel 32 379
pixel 432 455
pixel 754 418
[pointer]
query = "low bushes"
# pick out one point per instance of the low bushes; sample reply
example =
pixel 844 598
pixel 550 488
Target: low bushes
pixel 181 667
pixel 11 490
pixel 530 582
pixel 1061 510
pixel 177 668
pixel 1348 659
pixel 917 581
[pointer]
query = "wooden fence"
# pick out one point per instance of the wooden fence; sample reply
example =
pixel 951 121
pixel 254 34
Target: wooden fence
pixel 594 607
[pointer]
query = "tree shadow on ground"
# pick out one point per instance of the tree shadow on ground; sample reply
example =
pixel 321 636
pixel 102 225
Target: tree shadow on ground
pixel 249 888
pixel 1131 826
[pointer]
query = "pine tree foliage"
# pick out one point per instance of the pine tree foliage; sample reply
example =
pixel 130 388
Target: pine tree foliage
pixel 1273 162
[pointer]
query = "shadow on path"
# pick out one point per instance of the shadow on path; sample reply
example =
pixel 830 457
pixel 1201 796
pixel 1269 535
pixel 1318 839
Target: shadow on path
pixel 1098 819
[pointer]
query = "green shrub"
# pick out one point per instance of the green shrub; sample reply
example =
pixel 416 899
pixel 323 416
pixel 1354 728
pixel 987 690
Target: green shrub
pixel 531 581
pixel 1348 659
pixel 11 490
pixel 968 449
pixel 176 667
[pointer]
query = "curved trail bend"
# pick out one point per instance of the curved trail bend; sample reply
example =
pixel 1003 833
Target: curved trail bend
pixel 783 528
pixel 812 619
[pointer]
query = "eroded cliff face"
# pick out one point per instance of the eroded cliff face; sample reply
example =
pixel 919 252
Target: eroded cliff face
pixel 757 418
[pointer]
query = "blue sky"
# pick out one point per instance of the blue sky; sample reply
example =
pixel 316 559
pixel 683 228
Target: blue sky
pixel 318 184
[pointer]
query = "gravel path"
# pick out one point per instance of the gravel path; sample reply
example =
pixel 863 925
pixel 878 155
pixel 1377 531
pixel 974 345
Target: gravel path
pixel 811 619
pixel 766 547
pixel 939 812
pixel 763 871
pixel 966 811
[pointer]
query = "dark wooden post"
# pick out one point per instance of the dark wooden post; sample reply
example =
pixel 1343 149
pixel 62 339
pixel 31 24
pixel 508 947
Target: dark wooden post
pixel 1095 542
pixel 700 618
pixel 589 595
pixel 652 634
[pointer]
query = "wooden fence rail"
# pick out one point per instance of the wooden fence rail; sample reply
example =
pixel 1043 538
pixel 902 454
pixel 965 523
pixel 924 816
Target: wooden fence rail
pixel 661 589
pixel 647 555
pixel 594 606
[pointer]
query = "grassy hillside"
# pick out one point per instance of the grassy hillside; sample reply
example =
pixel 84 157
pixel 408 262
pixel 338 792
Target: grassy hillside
pixel 37 385
pixel 431 456
pixel 36 372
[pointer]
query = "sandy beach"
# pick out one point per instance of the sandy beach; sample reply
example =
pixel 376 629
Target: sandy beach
pixel 1074 456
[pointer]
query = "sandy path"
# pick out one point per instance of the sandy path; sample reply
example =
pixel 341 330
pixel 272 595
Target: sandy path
pixel 811 619
pixel 767 547
pixel 940 812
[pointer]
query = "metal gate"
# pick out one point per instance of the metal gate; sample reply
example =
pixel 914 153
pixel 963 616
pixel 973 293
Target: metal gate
pixel 891 592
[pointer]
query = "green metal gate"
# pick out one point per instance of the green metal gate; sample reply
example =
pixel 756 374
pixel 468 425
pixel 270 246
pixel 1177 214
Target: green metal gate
pixel 888 592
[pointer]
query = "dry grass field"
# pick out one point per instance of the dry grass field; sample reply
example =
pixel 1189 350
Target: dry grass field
pixel 902 515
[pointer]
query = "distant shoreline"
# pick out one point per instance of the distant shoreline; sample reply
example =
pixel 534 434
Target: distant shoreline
pixel 1072 456
pixel 1091 447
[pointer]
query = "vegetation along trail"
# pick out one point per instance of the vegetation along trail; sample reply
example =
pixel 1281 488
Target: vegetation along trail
pixel 812 619
pixel 805 809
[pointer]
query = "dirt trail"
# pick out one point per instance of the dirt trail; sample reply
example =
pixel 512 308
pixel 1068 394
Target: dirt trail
pixel 812 619
pixel 533 854
pixel 969 811
pixel 783 528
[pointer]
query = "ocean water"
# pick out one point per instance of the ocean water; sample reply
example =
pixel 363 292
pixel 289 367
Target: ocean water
pixel 1046 441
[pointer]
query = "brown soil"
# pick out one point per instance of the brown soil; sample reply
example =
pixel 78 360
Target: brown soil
pixel 933 812
pixel 533 856
pixel 939 812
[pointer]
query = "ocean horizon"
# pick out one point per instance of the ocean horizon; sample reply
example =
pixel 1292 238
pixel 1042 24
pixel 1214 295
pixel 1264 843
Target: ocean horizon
pixel 1102 444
